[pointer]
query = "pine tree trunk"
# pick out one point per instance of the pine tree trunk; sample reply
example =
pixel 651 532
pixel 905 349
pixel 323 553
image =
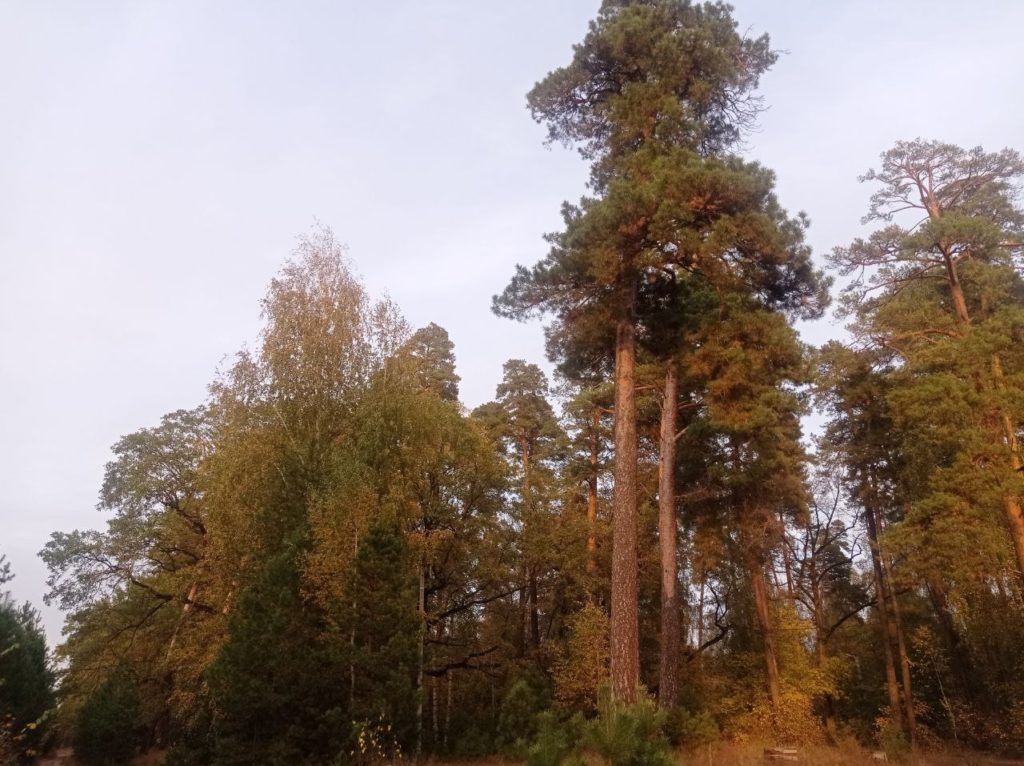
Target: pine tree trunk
pixel 434 724
pixel 700 620
pixel 450 677
pixel 762 609
pixel 956 291
pixel 352 640
pixel 523 614
pixel 534 610
pixel 901 645
pixel 888 630
pixel 908 694
pixel 668 676
pixel 592 497
pixel 534 616
pixel 524 447
pixel 1012 503
pixel 422 657
pixel 1015 520
pixel 786 559
pixel 352 668
pixel 625 645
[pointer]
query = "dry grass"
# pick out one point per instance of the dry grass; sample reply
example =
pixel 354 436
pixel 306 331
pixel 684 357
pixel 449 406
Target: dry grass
pixel 492 761
pixel 751 754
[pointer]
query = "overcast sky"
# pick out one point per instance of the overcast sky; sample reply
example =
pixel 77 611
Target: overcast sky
pixel 160 158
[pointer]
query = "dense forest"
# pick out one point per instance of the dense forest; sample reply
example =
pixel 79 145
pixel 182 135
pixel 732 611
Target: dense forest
pixel 332 561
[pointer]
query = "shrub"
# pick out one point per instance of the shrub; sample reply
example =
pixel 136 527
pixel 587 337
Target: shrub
pixel 629 735
pixel 106 732
pixel 473 743
pixel 517 722
pixel 556 740
pixel 26 681
pixel 687 729
pixel 374 742
pixel 891 738
pixel 583 668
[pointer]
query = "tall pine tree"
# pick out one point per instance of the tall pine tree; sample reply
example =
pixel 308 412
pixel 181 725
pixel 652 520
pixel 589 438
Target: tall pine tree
pixel 654 96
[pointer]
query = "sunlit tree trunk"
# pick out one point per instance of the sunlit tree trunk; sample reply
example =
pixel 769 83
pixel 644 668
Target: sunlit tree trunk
pixel 625 647
pixel 1012 503
pixel 956 289
pixel 762 610
pixel 787 562
pixel 668 676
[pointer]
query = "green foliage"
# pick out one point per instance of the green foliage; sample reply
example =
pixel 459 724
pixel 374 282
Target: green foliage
pixel 639 60
pixel 431 355
pixel 629 735
pixel 138 592
pixel 521 419
pixel 556 740
pixel 691 729
pixel 657 114
pixel 926 414
pixel 583 668
pixel 473 742
pixel 383 631
pixel 621 735
pixel 26 677
pixel 274 689
pixel 892 739
pixel 107 730
pixel 518 720
pixel 655 96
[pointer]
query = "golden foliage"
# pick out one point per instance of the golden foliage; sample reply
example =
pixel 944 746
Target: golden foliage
pixel 583 668
pixel 740 700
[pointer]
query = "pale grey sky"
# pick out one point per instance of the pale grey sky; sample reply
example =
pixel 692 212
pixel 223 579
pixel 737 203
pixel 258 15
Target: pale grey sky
pixel 159 159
